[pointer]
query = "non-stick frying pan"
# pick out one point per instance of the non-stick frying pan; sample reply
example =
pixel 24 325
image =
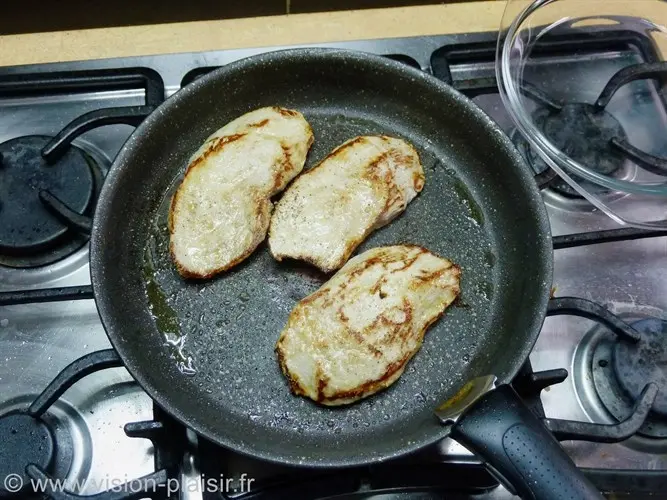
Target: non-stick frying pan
pixel 204 350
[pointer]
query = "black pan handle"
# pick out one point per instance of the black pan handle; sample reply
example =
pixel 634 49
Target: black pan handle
pixel 519 450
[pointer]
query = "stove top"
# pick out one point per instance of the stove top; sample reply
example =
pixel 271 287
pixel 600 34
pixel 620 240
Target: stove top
pixel 100 429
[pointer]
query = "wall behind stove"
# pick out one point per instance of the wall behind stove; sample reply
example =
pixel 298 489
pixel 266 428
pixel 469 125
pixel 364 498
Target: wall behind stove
pixel 45 15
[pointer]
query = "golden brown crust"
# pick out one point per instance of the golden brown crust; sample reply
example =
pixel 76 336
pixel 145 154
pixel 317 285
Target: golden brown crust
pixel 384 181
pixel 397 324
pixel 187 274
pixel 285 111
pixel 425 278
pixel 370 387
pixel 170 219
pixel 292 380
pixel 418 181
pixel 259 124
pixel 357 336
pixel 262 205
pixel 335 152
pixel 214 146
pixel 285 166
pixel 345 146
pixel 322 381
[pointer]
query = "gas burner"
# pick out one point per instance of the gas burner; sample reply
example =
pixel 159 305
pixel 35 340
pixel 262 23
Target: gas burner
pixel 60 443
pixel 32 440
pixel 26 440
pixel 41 204
pixel 622 368
pixel 646 361
pixel 590 135
pixel 583 132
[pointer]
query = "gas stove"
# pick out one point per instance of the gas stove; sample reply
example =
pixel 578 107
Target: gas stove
pixel 69 408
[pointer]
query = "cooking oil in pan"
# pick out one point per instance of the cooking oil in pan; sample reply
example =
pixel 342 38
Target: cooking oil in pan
pixel 165 316
pixel 466 197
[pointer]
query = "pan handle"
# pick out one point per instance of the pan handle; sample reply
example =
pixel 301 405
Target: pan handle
pixel 519 450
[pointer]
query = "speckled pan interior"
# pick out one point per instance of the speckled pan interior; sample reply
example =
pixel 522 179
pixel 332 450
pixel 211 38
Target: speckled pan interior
pixel 480 208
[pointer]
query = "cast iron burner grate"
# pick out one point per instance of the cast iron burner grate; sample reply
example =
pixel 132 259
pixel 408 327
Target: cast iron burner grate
pixel 584 134
pixel 35 451
pixel 589 134
pixel 622 369
pixel 48 185
pixel 42 201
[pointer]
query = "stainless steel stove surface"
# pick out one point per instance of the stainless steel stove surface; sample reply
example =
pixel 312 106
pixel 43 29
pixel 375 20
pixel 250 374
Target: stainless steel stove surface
pixel 39 336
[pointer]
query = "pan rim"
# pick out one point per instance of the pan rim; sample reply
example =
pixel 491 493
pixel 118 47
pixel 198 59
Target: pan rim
pixel 122 162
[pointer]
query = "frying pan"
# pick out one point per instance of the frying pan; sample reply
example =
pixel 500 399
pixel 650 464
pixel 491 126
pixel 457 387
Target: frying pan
pixel 204 350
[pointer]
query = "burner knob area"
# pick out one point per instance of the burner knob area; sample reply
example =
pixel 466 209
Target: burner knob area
pixel 635 365
pixel 24 440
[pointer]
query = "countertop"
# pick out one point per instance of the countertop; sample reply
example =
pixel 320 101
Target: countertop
pixel 275 30
pixel 250 32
